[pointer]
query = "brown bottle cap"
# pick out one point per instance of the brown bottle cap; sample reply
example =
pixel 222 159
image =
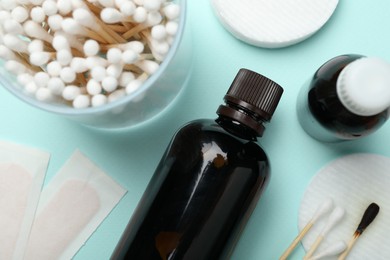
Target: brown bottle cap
pixel 254 98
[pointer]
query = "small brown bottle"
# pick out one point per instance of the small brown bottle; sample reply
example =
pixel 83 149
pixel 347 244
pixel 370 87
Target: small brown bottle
pixel 208 181
pixel 347 98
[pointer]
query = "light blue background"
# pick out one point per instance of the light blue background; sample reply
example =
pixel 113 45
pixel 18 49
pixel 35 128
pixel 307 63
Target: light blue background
pixel 357 26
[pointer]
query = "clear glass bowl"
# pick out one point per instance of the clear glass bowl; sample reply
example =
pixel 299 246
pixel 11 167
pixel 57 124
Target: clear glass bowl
pixel 155 94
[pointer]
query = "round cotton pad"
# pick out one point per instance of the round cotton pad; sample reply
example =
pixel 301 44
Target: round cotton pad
pixel 353 182
pixel 273 23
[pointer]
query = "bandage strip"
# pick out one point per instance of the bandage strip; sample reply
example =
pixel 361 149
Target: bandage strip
pixel 73 205
pixel 22 172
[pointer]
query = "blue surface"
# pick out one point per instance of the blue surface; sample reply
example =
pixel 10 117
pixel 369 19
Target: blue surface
pixel 357 26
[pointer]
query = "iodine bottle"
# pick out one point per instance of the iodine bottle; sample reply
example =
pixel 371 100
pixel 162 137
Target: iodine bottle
pixel 347 98
pixel 207 182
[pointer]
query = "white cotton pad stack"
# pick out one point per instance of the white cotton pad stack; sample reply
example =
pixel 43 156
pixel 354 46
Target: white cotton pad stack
pixel 353 182
pixel 273 23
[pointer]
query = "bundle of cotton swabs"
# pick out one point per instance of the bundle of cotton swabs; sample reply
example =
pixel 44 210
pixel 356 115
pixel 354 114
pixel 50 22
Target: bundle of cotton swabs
pixel 85 52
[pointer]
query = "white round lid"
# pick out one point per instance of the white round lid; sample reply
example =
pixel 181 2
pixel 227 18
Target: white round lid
pixel 273 23
pixel 363 86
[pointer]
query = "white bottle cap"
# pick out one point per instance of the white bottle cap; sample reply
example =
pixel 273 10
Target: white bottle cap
pixel 363 86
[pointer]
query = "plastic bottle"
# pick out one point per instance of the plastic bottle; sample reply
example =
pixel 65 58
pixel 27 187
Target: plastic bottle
pixel 208 181
pixel 347 98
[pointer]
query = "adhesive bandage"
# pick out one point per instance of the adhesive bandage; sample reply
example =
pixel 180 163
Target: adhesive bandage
pixel 22 172
pixel 72 206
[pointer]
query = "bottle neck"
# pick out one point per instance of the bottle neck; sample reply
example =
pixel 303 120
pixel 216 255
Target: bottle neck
pixel 240 121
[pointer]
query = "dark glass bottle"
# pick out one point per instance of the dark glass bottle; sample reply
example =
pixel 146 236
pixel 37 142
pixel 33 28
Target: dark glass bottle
pixel 208 181
pixel 347 98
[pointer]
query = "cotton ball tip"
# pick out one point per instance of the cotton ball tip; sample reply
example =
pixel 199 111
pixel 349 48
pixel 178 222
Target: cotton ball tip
pixel 117 94
pixel 125 78
pixel 133 86
pixel 37 14
pixel 139 2
pixel 136 46
pixel 84 17
pixel 68 75
pixel 81 101
pixel 70 92
pixel 95 61
pixel 56 86
pixel 8 4
pixel 107 3
pixel 140 14
pixel 40 58
pixel 111 15
pixel 110 84
pixel 171 11
pixel 154 18
pixel 114 70
pixel 130 56
pixel 152 5
pixel 36 2
pixel 64 57
pixel 15 67
pixel 71 26
pixel 50 8
pixel 91 48
pixel 98 73
pixel 114 55
pixel 41 79
pixel 12 26
pixel 19 13
pixel 171 28
pixel 6 53
pixel 55 22
pixel 54 68
pixel 43 94
pixel 30 87
pixel 99 100
pixel 127 8
pixel 5 15
pixel 64 7
pixel 34 30
pixel 25 78
pixel 94 87
pixel 158 32
pixel 148 66
pixel 78 65
pixel 35 46
pixel 15 43
pixel 60 43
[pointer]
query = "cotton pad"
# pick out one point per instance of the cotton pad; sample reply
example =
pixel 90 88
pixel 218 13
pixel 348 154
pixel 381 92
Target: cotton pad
pixel 273 23
pixel 353 182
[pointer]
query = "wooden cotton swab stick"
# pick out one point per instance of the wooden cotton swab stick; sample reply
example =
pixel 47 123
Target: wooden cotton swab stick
pixel 321 210
pixel 333 219
pixel 368 216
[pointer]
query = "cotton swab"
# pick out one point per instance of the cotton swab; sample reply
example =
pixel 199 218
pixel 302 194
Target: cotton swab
pixel 41 58
pixel 65 43
pixel 85 18
pixel 332 250
pixel 368 216
pixel 336 215
pixel 15 43
pixel 112 15
pixel 70 26
pixel 34 30
pixel 324 208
